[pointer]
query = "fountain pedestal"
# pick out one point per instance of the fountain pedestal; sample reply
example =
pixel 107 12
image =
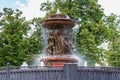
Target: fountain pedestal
pixel 59 44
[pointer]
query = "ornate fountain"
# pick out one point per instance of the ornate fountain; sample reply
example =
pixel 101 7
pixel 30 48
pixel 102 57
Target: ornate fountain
pixel 59 45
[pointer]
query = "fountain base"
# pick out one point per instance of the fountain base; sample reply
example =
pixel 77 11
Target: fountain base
pixel 57 61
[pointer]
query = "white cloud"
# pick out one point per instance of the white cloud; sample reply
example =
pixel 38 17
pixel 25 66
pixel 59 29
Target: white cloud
pixel 110 6
pixel 31 8
pixel 21 5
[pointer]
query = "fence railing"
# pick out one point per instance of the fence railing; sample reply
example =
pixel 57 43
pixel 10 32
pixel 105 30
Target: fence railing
pixel 67 72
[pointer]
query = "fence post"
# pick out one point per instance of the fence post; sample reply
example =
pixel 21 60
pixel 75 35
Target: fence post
pixel 70 71
pixel 8 71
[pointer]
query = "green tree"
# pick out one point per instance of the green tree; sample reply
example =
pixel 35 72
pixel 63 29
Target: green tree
pixel 35 40
pixel 113 54
pixel 92 30
pixel 16 45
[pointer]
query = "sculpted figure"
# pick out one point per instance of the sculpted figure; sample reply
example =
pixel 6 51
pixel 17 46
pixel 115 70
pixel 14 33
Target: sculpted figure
pixel 67 45
pixel 58 43
pixel 50 49
pixel 64 46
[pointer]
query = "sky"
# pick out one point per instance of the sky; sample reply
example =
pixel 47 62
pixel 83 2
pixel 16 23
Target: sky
pixel 30 8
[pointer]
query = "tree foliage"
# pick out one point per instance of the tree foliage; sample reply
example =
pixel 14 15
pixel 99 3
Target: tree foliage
pixel 16 45
pixel 113 54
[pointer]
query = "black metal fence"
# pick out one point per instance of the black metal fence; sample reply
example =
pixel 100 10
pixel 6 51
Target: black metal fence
pixel 67 72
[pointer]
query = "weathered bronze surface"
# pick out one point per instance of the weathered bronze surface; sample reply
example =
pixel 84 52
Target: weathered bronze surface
pixel 58 43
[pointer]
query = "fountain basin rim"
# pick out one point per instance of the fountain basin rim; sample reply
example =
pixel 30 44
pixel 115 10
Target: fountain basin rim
pixel 59 59
pixel 55 23
pixel 61 19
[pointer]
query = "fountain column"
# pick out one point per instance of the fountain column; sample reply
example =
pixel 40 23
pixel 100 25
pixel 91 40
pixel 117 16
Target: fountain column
pixel 59 45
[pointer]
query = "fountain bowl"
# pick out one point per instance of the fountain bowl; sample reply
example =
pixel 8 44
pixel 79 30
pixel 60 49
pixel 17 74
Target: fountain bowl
pixel 58 60
pixel 58 23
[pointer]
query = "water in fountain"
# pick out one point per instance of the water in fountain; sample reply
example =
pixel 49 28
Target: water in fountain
pixel 85 63
pixel 58 11
pixel 59 45
pixel 36 61
pixel 60 29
